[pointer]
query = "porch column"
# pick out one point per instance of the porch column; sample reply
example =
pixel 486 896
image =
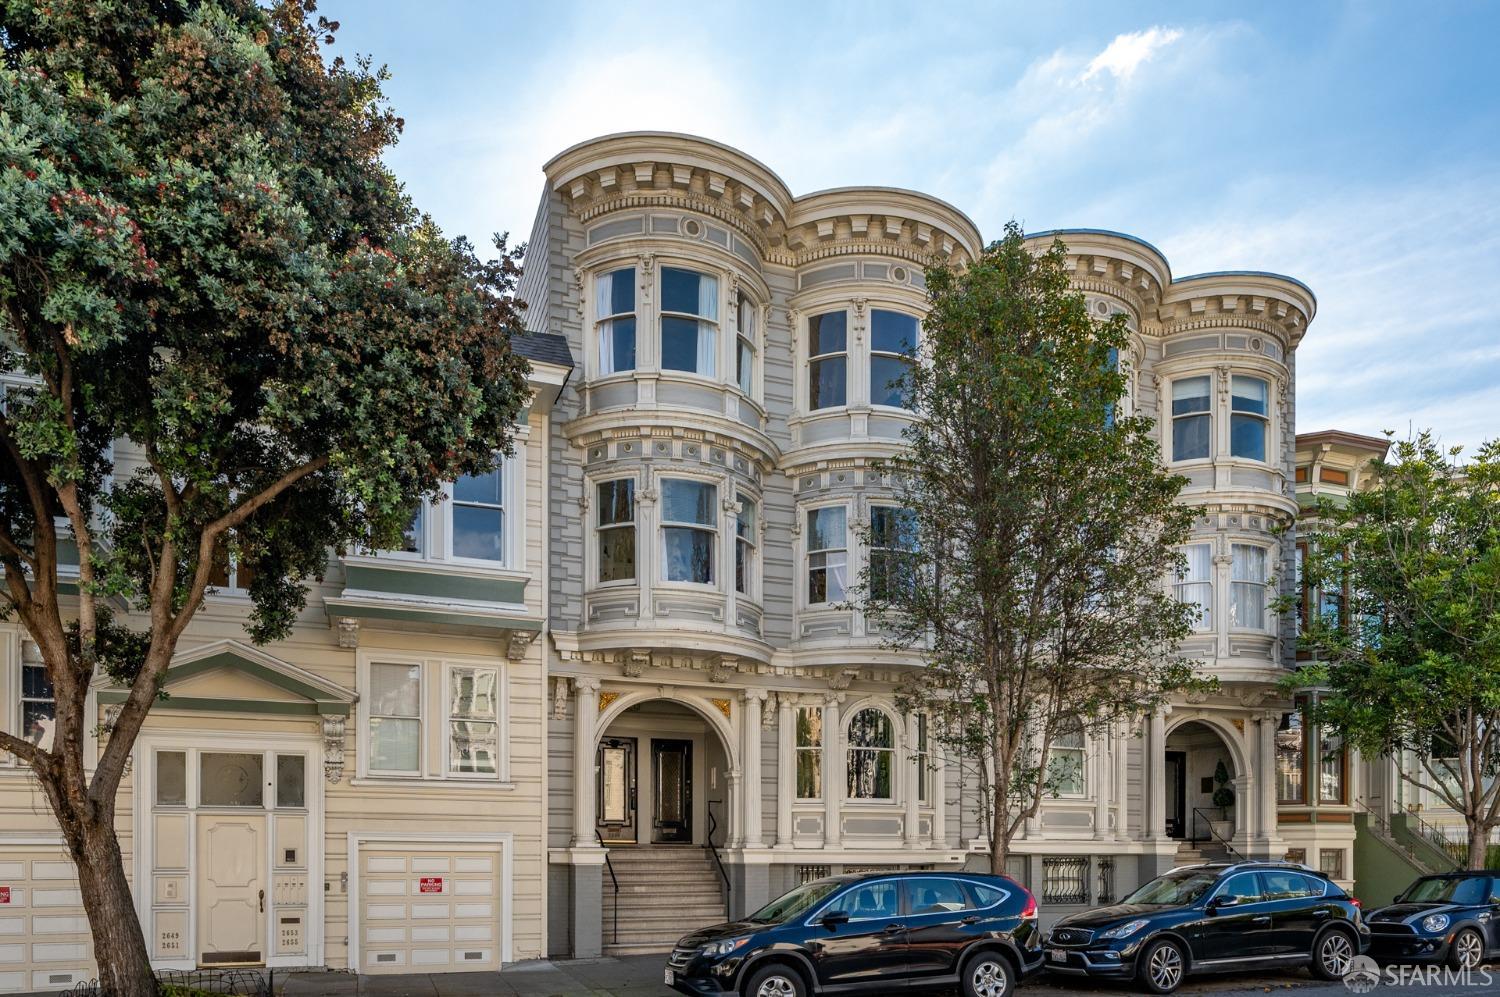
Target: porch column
pixel 939 796
pixel 750 787
pixel 585 719
pixel 833 773
pixel 1265 829
pixel 913 781
pixel 1155 790
pixel 1103 789
pixel 786 768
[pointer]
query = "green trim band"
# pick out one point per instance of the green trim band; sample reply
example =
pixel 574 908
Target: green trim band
pixel 216 705
pixel 442 617
pixel 434 584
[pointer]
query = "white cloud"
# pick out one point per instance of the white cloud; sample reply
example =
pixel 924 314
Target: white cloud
pixel 1123 56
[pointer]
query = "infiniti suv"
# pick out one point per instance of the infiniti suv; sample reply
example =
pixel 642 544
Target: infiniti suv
pixel 869 934
pixel 1219 917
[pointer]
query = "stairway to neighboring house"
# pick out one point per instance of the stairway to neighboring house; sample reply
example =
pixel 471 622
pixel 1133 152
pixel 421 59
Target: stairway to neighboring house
pixel 1196 852
pixel 665 893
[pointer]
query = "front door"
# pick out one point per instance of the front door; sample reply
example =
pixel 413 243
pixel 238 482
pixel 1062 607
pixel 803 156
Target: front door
pixel 672 791
pixel 1176 794
pixel 231 889
pixel 616 806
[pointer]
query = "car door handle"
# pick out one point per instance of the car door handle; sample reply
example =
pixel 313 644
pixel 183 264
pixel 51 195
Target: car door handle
pixel 971 919
pixel 891 929
pixel 1263 919
pixel 1320 913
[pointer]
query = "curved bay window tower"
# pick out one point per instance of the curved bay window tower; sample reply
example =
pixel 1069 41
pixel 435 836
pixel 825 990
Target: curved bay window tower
pixel 720 720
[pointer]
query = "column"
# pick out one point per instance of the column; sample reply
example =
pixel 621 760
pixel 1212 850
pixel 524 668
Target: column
pixel 1265 829
pixel 1103 788
pixel 912 780
pixel 585 719
pixel 833 773
pixel 1121 802
pixel 939 795
pixel 750 787
pixel 786 768
pixel 1154 793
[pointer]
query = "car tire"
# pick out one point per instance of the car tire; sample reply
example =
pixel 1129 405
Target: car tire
pixel 775 980
pixel 1332 955
pixel 1161 967
pixel 988 974
pixel 1467 949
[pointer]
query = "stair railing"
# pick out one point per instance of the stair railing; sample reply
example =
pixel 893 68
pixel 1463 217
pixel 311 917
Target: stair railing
pixel 713 849
pixel 1213 835
pixel 615 880
pixel 1456 848
pixel 1384 830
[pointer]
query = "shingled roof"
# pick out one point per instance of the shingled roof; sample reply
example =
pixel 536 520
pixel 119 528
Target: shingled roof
pixel 543 347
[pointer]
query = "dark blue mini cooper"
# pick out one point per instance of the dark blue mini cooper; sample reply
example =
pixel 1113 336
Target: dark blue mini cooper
pixel 1452 918
pixel 1214 918
pixel 869 934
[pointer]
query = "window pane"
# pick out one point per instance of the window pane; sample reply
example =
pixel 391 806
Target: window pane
pixel 1247 437
pixel 482 489
pixel 395 690
pixel 689 553
pixel 620 345
pixel 1190 437
pixel 688 501
pixel 1249 563
pixel 679 290
pixel 473 747
pixel 827 333
pixel 473 693
pixel 825 528
pixel 892 332
pixel 679 344
pixel 744 366
pixel 870 774
pixel 809 727
pixel 874 901
pixel 477 533
pixel 617 501
pixel 231 779
pixel 871 728
pixel 291 781
pixel 827 383
pixel 171 778
pixel 35 682
pixel 1331 769
pixel 394 744
pixel 39 721
pixel 411 538
pixel 617 554
pixel 827 577
pixel 1289 749
pixel 1250 394
pixel 887 376
pixel 809 773
pixel 936 896
pixel 618 292
pixel 1189 394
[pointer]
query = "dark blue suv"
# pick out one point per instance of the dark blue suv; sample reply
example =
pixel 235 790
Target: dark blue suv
pixel 869 934
pixel 1220 917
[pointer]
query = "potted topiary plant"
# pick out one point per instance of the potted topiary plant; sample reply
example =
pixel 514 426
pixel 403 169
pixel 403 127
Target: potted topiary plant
pixel 1223 799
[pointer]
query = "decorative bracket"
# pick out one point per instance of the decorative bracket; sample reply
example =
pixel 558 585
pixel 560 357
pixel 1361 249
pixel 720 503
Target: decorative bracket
pixel 333 748
pixel 348 632
pixel 519 642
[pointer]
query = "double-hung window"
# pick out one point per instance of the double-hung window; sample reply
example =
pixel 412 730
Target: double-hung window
pixel 809 752
pixel 479 516
pixel 473 720
pixel 689 321
pixel 1331 768
pixel 616 530
pixel 827 554
pixel 1066 774
pixel 1195 586
pixel 689 526
pixel 744 545
pixel 395 707
pixel 614 310
pixel 872 750
pixel 229 572
pixel 744 354
pixel 891 542
pixel 1249 406
pixel 38 704
pixel 1291 756
pixel 828 360
pixel 1247 588
pixel 893 344
pixel 1190 419
pixel 923 758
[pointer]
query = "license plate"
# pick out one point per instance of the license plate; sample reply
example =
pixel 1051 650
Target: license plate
pixel 1057 955
pixel 668 979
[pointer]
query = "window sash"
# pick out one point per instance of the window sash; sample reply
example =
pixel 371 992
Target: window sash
pixel 1066 771
pixel 614 310
pixel 828 360
pixel 38 705
pixel 1247 590
pixel 689 321
pixel 615 530
pixel 746 338
pixel 1291 756
pixel 809 752
pixel 744 545
pixel 871 773
pixel 1191 422
pixel 1194 586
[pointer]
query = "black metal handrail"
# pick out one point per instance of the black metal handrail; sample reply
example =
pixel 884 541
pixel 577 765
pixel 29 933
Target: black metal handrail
pixel 1212 834
pixel 713 849
pixel 1453 848
pixel 615 931
pixel 1383 826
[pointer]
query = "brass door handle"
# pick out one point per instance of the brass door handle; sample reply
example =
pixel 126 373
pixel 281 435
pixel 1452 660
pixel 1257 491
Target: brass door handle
pixel 260 897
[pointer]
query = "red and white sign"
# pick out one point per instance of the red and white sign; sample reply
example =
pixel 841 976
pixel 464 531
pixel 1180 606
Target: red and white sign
pixel 430 884
pixel 4 894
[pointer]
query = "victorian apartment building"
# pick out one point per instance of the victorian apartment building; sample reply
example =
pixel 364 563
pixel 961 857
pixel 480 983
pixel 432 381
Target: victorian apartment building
pixel 611 691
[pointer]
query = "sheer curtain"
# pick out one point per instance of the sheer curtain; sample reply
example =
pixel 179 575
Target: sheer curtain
pixel 708 315
pixel 1195 586
pixel 603 288
pixel 1248 588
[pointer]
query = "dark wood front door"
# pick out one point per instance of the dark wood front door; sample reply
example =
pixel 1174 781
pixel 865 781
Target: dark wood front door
pixel 1176 794
pixel 616 800
pixel 672 791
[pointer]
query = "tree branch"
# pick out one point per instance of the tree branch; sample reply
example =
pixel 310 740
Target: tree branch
pixel 22 749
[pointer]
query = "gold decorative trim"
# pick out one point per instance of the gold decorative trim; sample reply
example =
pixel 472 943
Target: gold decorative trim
pixel 606 698
pixel 723 706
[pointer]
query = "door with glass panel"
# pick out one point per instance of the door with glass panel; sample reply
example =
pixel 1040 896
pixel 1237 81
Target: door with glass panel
pixel 617 796
pixel 672 791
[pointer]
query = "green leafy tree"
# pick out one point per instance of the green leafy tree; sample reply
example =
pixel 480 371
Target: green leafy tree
pixel 1407 644
pixel 1039 536
pixel 230 336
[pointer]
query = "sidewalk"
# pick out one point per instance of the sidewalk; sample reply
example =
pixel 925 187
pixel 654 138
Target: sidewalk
pixel 632 976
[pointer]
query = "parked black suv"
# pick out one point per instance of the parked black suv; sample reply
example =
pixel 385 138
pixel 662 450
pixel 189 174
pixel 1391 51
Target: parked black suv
pixel 869 934
pixel 1452 918
pixel 1220 917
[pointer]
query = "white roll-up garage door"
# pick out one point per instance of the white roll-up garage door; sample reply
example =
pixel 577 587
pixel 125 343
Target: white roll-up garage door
pixel 427 909
pixel 44 934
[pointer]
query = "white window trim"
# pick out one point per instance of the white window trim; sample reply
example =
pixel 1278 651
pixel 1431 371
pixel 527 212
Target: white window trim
pixel 897 727
pixel 591 555
pixel 662 524
pixel 805 361
pixel 435 719
pixel 365 716
pixel 804 581
pixel 597 361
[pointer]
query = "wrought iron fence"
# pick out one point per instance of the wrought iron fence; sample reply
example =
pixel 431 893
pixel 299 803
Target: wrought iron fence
pixel 1106 870
pixel 1065 880
pixel 229 982
pixel 808 873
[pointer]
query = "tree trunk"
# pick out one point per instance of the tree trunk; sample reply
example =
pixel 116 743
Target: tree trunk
pixel 119 945
pixel 1479 845
pixel 999 846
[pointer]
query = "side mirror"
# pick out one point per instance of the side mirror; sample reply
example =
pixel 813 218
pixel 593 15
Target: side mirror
pixel 1223 900
pixel 834 918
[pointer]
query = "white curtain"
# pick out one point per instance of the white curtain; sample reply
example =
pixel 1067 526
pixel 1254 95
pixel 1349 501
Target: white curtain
pixel 708 313
pixel 1195 586
pixel 1248 591
pixel 603 285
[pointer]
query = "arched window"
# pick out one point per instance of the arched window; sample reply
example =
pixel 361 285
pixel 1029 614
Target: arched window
pixel 872 753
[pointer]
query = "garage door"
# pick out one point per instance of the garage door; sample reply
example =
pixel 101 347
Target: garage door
pixel 44 935
pixel 425 910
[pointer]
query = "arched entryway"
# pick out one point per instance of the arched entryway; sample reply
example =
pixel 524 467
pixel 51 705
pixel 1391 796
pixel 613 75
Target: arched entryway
pixel 1205 786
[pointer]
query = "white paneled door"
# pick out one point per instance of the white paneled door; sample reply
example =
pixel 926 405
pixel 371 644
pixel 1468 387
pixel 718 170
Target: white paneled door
pixel 231 888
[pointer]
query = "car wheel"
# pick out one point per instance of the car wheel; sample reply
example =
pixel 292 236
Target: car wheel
pixel 1332 956
pixel 775 980
pixel 988 974
pixel 1467 950
pixel 1161 967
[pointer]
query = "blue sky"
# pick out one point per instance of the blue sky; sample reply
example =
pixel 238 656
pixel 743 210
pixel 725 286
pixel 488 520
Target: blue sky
pixel 1354 146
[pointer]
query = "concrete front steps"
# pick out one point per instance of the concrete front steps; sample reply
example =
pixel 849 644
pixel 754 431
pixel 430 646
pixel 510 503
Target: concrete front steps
pixel 1194 853
pixel 665 892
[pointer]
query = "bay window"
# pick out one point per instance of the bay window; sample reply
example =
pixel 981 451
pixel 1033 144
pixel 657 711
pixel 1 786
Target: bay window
pixel 616 530
pixel 871 755
pixel 1247 589
pixel 689 526
pixel 473 720
pixel 433 719
pixel 1195 587
pixel 809 752
pixel 395 700
pixel 828 360
pixel 827 554
pixel 745 345
pixel 893 344
pixel 1190 418
pixel 479 516
pixel 614 313
pixel 744 545
pixel 891 542
pixel 1248 417
pixel 689 321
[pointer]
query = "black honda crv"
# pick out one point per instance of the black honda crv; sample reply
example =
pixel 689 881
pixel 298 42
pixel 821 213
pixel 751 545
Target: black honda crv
pixel 869 934
pixel 1220 917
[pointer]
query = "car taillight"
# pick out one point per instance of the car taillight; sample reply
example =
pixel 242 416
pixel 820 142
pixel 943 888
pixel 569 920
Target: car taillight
pixel 1356 903
pixel 1029 914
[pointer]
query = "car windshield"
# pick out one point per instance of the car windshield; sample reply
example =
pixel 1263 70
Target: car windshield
pixel 796 903
pixel 1174 888
pixel 1455 890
